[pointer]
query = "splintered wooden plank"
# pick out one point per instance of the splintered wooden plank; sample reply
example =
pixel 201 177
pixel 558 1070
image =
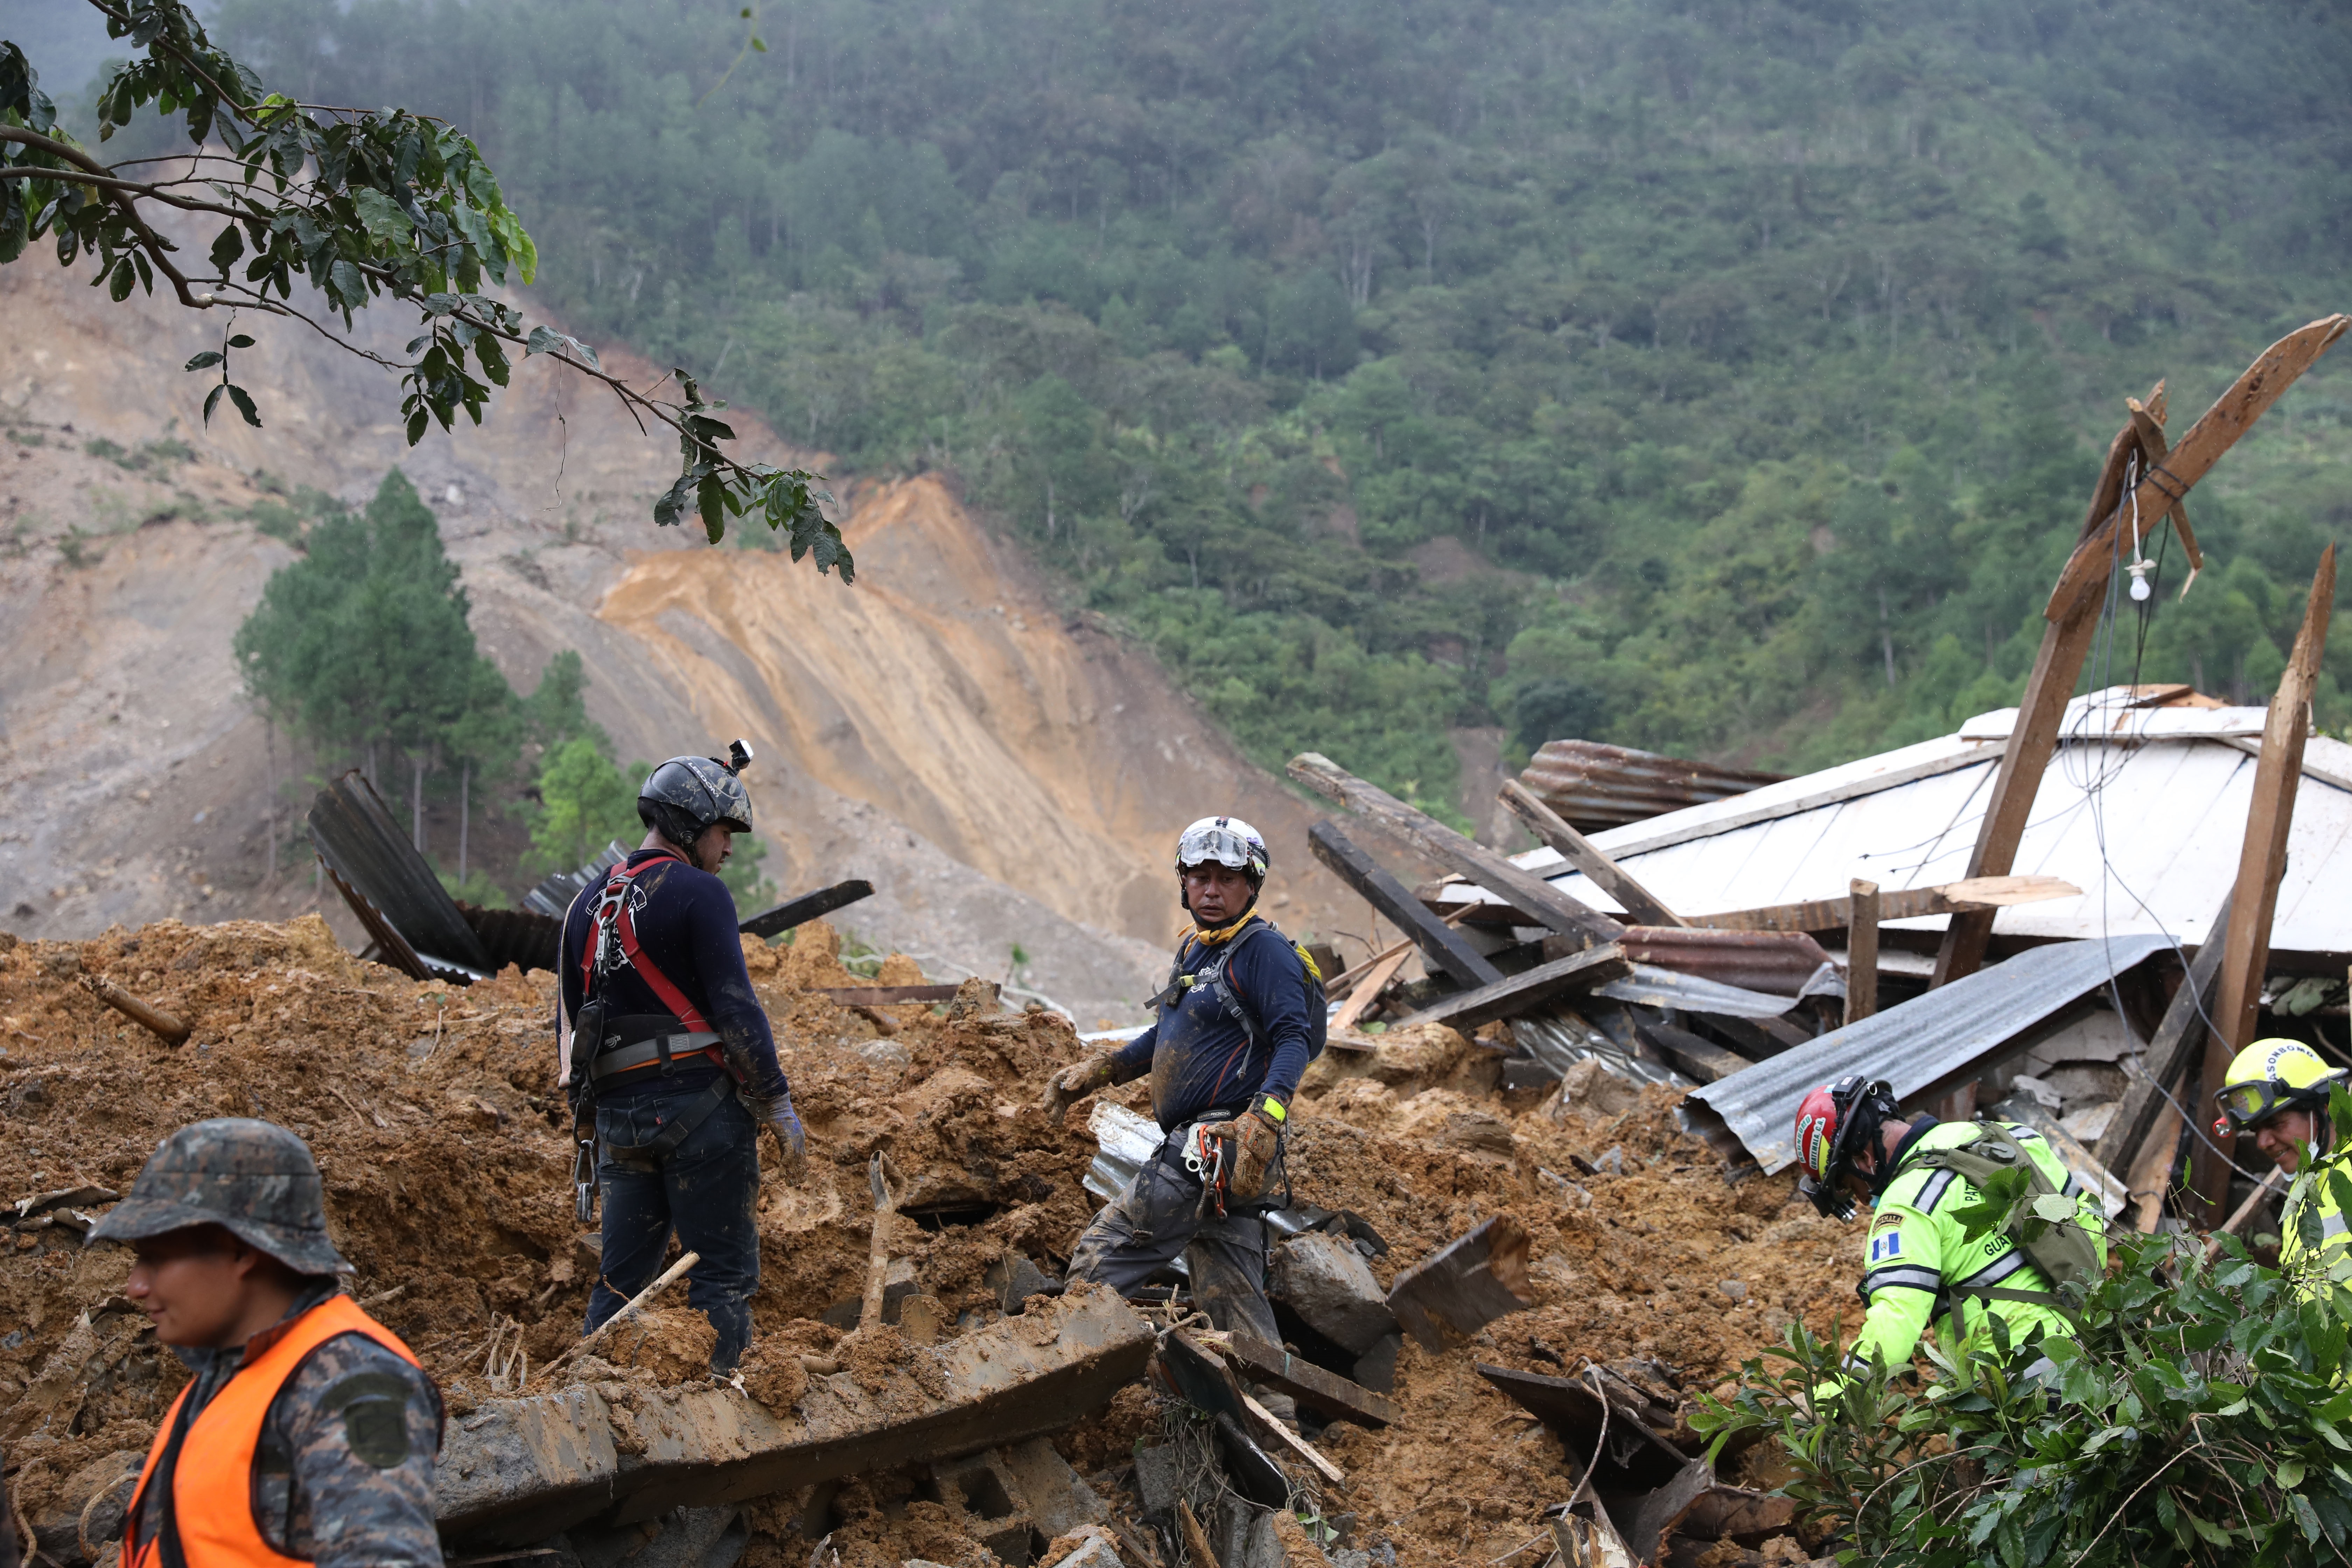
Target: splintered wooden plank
pixel 1311 1385
pixel 1377 888
pixel 1862 950
pixel 1581 853
pixel 1424 835
pixel 1507 998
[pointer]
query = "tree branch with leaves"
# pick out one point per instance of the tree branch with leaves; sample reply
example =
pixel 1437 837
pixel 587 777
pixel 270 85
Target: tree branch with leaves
pixel 360 207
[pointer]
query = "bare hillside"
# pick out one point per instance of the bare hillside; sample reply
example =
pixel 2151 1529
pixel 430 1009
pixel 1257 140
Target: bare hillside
pixel 1004 774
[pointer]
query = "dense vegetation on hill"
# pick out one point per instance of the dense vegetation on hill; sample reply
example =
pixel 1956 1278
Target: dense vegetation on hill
pixel 1717 376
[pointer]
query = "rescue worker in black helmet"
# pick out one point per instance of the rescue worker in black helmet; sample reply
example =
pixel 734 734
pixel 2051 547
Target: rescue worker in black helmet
pixel 1240 1018
pixel 306 1432
pixel 670 1055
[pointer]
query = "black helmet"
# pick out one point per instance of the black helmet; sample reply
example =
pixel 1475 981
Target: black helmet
pixel 686 794
pixel 255 1178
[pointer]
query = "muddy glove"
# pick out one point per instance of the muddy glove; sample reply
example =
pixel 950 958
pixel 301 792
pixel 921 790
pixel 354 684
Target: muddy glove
pixel 792 1140
pixel 1257 1137
pixel 1075 1083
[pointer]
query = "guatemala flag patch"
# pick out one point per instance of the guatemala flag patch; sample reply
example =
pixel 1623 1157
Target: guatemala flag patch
pixel 1885 1247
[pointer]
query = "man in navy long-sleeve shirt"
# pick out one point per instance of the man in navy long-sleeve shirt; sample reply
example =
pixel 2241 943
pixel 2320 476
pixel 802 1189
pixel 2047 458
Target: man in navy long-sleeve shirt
pixel 685 1071
pixel 1236 1027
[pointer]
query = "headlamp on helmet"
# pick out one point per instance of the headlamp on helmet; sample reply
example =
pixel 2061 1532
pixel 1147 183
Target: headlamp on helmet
pixel 2267 1078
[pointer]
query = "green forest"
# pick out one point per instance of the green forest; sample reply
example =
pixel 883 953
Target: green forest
pixel 1721 377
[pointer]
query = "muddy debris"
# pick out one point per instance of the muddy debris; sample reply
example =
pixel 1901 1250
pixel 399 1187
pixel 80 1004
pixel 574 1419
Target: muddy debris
pixel 443 1141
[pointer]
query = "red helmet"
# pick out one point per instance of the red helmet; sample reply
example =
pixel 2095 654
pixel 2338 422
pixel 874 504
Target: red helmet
pixel 1833 1122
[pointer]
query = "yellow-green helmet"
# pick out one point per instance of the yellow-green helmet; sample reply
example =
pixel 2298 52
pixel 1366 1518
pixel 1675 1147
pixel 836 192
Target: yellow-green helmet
pixel 2269 1076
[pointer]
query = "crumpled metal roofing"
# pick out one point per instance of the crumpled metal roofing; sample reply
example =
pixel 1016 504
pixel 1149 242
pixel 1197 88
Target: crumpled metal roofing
pixel 1927 1045
pixel 1596 787
pixel 390 888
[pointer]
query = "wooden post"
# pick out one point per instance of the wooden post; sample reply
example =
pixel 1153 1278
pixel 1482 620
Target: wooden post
pixel 1862 954
pixel 2261 862
pixel 2076 603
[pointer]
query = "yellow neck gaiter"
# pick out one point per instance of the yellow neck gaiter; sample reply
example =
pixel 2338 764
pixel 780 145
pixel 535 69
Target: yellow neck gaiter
pixel 1221 934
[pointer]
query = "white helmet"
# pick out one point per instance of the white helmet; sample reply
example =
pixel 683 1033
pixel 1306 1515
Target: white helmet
pixel 1226 841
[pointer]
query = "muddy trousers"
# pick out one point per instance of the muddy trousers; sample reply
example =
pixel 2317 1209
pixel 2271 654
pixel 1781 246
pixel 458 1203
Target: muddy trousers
pixel 1158 1216
pixel 706 1190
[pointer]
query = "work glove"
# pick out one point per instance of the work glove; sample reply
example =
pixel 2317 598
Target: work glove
pixel 1257 1137
pixel 1075 1083
pixel 792 1138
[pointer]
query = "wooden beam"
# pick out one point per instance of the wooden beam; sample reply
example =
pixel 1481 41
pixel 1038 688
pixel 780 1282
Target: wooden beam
pixel 1862 953
pixel 2179 1042
pixel 892 996
pixel 1373 883
pixel 2261 862
pixel 1690 1056
pixel 1506 998
pixel 2149 422
pixel 1902 904
pixel 2163 483
pixel 1309 1384
pixel 792 912
pixel 1578 851
pixel 1424 835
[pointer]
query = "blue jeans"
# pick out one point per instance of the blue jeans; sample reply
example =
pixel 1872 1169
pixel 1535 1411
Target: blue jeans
pixel 706 1189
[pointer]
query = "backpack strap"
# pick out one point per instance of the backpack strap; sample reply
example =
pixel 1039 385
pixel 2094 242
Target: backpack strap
pixel 616 923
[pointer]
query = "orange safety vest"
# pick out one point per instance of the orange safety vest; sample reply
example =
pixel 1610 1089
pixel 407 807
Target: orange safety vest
pixel 212 1484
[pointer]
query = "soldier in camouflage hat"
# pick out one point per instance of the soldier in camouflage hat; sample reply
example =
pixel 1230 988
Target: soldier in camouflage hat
pixel 308 1430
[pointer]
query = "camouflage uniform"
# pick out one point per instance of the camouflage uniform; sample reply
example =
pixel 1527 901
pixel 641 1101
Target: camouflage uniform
pixel 343 1474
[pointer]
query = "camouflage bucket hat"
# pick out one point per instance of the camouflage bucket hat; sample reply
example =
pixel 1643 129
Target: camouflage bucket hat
pixel 254 1178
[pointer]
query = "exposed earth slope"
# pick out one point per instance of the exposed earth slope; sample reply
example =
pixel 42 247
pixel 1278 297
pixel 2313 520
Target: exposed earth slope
pixel 1003 774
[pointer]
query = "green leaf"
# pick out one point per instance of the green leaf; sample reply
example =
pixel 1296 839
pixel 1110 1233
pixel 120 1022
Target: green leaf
pixel 381 216
pixel 2290 1473
pixel 212 401
pixel 244 401
pixel 240 341
pixel 228 246
pixel 417 422
pixel 204 361
pixel 119 285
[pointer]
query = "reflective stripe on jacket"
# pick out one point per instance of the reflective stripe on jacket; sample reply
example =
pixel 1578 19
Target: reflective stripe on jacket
pixel 1918 1254
pixel 2334 1234
pixel 212 1481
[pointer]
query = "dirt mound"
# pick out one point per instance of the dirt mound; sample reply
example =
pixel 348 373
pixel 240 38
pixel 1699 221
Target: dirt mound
pixel 445 1156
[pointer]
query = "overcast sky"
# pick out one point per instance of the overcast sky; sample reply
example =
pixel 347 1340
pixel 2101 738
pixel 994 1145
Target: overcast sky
pixel 65 39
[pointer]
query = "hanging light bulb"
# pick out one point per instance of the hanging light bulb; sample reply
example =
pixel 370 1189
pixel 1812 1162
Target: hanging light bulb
pixel 2139 571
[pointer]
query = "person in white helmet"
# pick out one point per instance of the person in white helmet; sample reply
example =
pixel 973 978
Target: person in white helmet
pixel 1240 1018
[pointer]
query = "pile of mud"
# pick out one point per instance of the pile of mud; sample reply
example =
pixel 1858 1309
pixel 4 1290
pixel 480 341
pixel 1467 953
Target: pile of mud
pixel 444 1146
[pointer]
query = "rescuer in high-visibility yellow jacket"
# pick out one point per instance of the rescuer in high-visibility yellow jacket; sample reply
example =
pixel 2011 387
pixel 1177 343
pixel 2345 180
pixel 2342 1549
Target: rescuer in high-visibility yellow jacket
pixel 1921 1258
pixel 2277 1090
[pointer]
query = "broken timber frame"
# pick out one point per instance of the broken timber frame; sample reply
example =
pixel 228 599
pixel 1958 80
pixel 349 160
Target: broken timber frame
pixel 2261 862
pixel 1864 913
pixel 1544 904
pixel 2074 608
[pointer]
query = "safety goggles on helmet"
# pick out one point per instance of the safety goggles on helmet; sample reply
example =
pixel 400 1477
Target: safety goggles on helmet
pixel 1222 841
pixel 2267 1078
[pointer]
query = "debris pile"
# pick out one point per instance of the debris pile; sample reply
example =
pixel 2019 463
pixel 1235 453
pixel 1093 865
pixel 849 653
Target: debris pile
pixel 444 1147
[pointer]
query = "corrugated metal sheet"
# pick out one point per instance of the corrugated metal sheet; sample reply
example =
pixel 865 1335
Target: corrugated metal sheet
pixel 2149 827
pixel 1784 963
pixel 1926 1044
pixel 387 882
pixel 1597 787
pixel 1650 986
